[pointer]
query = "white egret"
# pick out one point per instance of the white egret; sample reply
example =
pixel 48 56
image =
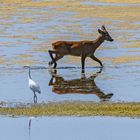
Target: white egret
pixel 33 86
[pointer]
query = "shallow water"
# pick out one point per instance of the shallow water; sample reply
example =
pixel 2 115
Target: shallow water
pixel 70 128
pixel 27 31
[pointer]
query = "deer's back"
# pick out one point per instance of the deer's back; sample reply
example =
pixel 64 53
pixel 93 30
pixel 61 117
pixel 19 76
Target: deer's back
pixel 73 47
pixel 64 43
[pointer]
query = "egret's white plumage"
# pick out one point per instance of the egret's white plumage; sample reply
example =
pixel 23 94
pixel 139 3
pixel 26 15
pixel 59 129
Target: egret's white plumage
pixel 33 86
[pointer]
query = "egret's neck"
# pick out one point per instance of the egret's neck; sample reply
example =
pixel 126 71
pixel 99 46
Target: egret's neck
pixel 30 74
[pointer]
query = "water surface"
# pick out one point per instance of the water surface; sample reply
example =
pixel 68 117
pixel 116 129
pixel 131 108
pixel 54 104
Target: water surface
pixel 70 128
pixel 27 31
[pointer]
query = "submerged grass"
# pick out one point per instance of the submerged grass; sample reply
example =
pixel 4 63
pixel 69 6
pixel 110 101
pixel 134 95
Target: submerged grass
pixel 76 109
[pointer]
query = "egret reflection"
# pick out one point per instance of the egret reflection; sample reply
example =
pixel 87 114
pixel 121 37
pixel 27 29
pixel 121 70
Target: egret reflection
pixel 30 125
pixel 83 85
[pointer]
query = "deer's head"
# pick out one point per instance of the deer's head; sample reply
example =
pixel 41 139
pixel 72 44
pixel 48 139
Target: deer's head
pixel 105 34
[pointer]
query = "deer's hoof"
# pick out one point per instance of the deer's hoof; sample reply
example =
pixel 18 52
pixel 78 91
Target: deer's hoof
pixel 102 66
pixel 50 63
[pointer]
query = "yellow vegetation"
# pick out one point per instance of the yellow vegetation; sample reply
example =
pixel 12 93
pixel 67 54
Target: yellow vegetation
pixel 24 62
pixel 126 59
pixel 2 61
pixel 133 45
pixel 14 1
pixel 119 1
pixel 76 109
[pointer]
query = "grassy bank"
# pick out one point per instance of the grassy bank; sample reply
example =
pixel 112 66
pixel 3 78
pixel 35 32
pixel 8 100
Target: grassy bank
pixel 76 109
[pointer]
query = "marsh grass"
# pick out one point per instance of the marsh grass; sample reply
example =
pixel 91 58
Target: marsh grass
pixel 75 109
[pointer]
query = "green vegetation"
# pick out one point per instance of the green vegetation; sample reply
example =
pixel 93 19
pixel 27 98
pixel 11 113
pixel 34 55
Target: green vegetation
pixel 75 109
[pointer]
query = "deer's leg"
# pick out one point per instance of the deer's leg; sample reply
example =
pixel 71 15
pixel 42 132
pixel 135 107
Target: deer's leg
pixel 83 57
pixel 57 57
pixel 51 55
pixel 51 81
pixel 53 60
pixel 96 59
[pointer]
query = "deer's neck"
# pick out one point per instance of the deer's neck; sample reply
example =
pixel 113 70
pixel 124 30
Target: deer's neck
pixel 99 40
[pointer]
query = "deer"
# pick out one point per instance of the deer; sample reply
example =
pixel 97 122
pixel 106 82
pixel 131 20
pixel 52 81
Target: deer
pixel 81 49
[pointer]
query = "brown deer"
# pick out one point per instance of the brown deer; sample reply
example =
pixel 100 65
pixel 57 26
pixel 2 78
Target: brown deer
pixel 81 85
pixel 79 48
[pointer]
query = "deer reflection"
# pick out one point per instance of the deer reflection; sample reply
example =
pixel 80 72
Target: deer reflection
pixel 81 85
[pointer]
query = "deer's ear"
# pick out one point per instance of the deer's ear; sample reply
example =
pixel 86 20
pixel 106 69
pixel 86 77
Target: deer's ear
pixel 103 28
pixel 100 31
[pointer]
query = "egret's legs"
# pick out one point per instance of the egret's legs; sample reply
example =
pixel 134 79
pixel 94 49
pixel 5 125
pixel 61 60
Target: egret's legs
pixel 35 98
